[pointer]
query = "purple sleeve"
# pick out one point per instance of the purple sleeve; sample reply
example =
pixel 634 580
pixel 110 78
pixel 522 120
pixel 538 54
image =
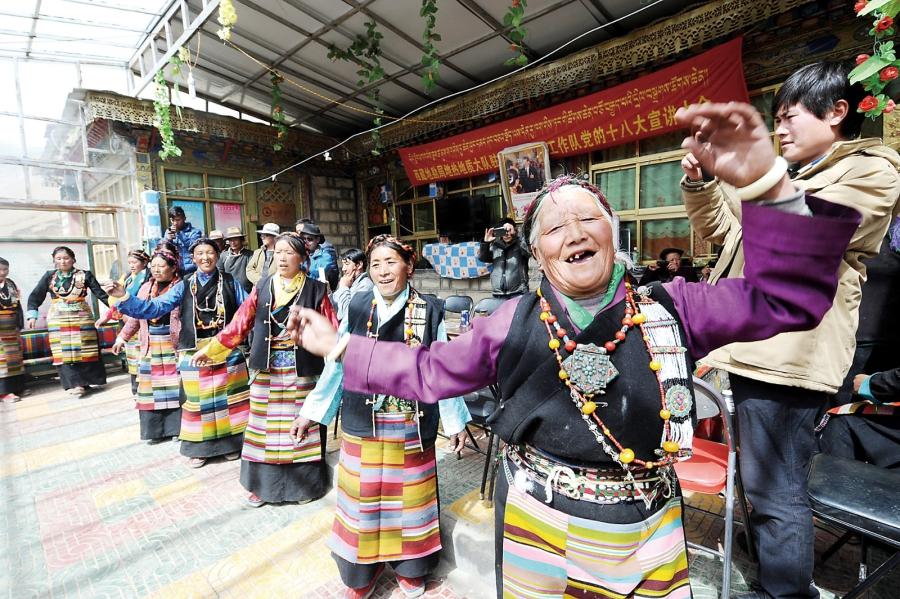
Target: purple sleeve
pixel 450 369
pixel 790 278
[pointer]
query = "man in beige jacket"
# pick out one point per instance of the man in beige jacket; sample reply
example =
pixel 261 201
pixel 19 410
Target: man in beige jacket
pixel 780 384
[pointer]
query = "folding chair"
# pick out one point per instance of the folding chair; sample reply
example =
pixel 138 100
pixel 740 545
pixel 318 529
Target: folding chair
pixel 713 470
pixel 457 304
pixel 861 499
pixel 487 306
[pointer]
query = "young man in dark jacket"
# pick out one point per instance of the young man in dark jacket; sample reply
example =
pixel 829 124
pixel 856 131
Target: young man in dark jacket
pixel 509 255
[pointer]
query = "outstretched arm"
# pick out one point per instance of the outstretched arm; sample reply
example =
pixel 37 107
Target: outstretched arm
pixel 465 364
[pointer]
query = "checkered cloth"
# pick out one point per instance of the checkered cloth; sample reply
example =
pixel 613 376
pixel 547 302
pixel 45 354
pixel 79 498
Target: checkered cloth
pixel 457 261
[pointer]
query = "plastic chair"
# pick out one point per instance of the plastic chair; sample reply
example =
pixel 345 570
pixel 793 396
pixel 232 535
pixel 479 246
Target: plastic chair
pixel 458 304
pixel 713 470
pixel 488 305
pixel 862 500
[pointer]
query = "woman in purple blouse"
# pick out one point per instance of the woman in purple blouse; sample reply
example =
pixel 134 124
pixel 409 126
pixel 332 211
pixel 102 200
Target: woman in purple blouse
pixel 595 373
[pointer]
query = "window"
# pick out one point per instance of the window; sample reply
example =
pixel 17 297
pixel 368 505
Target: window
pixel 462 209
pixel 210 201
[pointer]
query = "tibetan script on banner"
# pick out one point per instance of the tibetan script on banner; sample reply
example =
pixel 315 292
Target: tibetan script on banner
pixel 631 111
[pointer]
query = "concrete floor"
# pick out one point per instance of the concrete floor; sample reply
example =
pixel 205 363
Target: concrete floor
pixel 89 510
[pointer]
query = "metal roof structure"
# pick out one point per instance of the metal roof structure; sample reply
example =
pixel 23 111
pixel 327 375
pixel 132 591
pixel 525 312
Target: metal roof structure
pixel 294 37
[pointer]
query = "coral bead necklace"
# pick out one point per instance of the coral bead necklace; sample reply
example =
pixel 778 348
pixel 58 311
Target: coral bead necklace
pixel 588 370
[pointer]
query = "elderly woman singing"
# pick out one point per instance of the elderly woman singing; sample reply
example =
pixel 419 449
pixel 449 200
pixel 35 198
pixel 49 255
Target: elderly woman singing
pixel 595 373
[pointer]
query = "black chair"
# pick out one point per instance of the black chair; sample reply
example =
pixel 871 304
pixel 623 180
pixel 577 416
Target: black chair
pixel 488 305
pixel 457 304
pixel 482 404
pixel 860 499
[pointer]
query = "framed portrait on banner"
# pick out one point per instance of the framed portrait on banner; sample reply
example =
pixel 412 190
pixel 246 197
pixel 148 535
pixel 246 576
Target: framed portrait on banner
pixel 524 170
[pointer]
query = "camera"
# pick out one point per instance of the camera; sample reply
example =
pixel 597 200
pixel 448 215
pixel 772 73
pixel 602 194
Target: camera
pixel 662 263
pixel 500 231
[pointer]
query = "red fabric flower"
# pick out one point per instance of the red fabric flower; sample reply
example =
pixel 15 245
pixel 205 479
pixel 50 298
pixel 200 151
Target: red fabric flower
pixel 884 24
pixel 889 107
pixel 888 73
pixel 861 59
pixel 868 103
pixel 859 6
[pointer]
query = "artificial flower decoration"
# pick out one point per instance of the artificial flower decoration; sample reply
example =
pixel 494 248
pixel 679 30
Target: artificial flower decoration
pixel 227 19
pixel 877 70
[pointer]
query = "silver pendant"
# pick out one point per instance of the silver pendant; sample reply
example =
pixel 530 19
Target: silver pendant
pixel 590 369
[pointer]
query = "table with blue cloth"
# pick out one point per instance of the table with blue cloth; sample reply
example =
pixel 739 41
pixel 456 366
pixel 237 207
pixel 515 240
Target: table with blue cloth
pixel 456 261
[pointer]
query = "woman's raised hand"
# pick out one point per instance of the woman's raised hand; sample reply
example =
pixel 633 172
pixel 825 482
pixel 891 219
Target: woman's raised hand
pixel 311 331
pixel 113 288
pixel 730 141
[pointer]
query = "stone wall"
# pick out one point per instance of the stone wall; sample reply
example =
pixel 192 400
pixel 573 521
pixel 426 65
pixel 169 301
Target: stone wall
pixel 335 210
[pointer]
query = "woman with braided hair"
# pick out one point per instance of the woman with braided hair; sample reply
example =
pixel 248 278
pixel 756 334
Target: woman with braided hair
pixel 215 399
pixel 138 274
pixel 274 469
pixel 594 372
pixel 158 384
pixel 387 451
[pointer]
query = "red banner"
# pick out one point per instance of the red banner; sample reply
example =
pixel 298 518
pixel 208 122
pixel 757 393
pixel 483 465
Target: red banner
pixel 631 111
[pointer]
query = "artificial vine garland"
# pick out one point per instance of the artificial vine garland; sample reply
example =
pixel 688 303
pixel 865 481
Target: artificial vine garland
pixel 513 20
pixel 430 59
pixel 365 51
pixel 227 19
pixel 278 117
pixel 875 72
pixel 162 118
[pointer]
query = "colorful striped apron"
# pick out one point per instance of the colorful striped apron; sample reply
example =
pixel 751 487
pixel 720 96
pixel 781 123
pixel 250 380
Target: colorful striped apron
pixel 157 377
pixel 73 338
pixel 11 361
pixel 387 505
pixel 217 397
pixel 276 396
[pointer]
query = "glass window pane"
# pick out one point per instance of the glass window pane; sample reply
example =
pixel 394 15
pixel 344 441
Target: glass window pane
pixel 104 78
pixel 628 150
pixel 104 188
pixel 763 103
pixel 194 212
pixel 8 92
pixel 227 215
pixel 660 185
pixel 403 190
pixel 618 187
pixel 225 194
pixel 424 217
pixel 405 220
pixel 53 185
pixel 105 255
pixel 101 224
pixel 46 86
pixel 661 143
pixel 457 184
pixel 184 184
pixel 54 224
pixel 495 209
pixel 10 139
pixel 45 140
pixel 13 177
pixel 657 235
pixel 628 237
pixel 422 191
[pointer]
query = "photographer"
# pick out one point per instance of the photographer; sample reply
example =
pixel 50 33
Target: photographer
pixel 670 266
pixel 183 234
pixel 354 279
pixel 509 254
